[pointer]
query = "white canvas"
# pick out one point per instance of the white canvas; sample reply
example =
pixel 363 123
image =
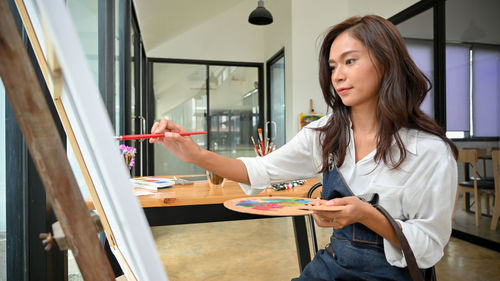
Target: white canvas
pixel 93 130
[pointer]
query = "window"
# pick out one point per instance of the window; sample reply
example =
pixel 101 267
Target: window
pixel 457 89
pixel 485 68
pixel 472 86
pixel 421 53
pixel 473 90
pixel 472 70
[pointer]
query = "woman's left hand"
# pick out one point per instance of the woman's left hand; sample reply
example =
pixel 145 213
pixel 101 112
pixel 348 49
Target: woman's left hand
pixel 354 211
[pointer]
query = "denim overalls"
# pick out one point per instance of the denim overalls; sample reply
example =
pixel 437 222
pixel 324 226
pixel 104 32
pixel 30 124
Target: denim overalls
pixel 359 252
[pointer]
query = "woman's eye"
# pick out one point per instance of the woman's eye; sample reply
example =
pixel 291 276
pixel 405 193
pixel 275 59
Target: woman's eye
pixel 350 61
pixel 332 67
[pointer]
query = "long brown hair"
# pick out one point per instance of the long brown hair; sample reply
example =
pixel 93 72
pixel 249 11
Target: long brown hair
pixel 403 88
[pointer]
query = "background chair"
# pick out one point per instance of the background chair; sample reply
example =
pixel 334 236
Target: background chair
pixel 471 184
pixel 495 154
pixel 482 154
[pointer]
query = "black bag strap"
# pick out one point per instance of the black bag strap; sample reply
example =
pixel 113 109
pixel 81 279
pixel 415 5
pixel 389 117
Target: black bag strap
pixel 411 261
pixel 408 253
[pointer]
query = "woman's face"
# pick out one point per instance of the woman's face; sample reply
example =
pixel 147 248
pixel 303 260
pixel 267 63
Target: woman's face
pixel 354 75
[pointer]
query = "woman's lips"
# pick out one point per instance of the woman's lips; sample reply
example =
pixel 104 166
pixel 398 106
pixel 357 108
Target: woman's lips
pixel 343 90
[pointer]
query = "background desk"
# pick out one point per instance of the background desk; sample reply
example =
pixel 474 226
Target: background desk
pixel 197 203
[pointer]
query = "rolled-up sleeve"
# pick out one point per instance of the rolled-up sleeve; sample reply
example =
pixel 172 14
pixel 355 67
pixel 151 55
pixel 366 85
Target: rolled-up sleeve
pixel 299 158
pixel 427 206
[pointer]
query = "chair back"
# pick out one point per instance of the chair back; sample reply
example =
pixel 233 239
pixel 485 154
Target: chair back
pixel 495 160
pixel 468 156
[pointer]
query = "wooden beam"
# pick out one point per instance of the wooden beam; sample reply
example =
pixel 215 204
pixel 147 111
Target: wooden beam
pixel 38 127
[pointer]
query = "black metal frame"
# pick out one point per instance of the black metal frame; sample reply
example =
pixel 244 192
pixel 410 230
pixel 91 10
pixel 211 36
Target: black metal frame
pixel 489 244
pixel 124 63
pixel 150 111
pixel 106 54
pixel 280 54
pixel 138 57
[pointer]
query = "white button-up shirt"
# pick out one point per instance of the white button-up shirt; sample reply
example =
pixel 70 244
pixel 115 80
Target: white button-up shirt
pixel 420 193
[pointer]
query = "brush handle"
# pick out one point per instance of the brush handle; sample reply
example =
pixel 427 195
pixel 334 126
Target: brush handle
pixel 149 136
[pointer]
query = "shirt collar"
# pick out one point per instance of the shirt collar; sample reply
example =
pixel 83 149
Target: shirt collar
pixel 409 138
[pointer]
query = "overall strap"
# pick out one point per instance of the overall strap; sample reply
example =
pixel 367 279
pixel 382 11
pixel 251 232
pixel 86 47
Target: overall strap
pixel 411 261
pixel 408 253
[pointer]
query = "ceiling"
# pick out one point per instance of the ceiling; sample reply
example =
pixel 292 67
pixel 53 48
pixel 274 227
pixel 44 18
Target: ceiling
pixel 162 20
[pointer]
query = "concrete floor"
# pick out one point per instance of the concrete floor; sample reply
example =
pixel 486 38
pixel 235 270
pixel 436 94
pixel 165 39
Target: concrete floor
pixel 466 222
pixel 264 249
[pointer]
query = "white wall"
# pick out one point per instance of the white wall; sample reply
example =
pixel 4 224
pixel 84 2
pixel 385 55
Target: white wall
pixel 309 23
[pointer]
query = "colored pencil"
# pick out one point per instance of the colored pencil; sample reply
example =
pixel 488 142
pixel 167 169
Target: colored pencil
pixel 149 136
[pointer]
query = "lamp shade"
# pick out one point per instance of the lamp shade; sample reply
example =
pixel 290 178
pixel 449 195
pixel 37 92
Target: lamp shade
pixel 260 16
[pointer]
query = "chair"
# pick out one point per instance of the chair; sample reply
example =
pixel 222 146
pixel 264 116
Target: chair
pixel 495 154
pixel 482 154
pixel 311 220
pixel 471 184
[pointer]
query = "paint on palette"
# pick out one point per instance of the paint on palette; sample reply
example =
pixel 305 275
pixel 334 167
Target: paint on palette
pixel 272 204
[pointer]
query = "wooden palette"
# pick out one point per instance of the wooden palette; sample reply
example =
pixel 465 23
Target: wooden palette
pixel 276 206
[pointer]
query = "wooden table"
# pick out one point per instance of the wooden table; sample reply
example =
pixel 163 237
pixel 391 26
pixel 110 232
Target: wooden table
pixel 197 203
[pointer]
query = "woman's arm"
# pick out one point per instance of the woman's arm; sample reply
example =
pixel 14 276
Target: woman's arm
pixel 230 168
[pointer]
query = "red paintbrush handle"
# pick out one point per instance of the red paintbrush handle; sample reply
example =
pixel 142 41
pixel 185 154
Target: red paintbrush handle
pixel 149 136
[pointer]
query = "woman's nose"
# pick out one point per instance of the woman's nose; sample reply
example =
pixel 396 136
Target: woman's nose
pixel 338 75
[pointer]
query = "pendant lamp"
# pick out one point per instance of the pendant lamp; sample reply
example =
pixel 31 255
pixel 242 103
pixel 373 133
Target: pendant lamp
pixel 260 16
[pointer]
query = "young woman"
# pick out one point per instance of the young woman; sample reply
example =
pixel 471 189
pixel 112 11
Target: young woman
pixel 378 139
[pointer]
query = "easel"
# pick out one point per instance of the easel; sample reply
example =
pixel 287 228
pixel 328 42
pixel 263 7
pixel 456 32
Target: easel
pixel 46 149
pixel 29 105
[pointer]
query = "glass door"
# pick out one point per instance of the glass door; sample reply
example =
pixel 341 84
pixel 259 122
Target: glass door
pixel 223 99
pixel 233 109
pixel 180 95
pixel 276 98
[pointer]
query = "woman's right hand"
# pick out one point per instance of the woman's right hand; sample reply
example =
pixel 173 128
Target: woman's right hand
pixel 181 146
